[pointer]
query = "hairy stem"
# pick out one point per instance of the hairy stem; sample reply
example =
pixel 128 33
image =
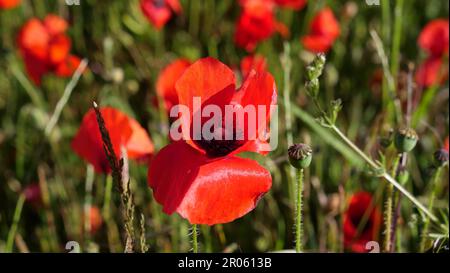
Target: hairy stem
pixel 299 205
pixel 426 224
pixel 389 206
pixel 194 238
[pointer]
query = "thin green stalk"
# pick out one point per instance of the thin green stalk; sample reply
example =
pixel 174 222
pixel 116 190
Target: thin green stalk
pixel 383 173
pixel 15 224
pixel 287 67
pixel 88 200
pixel 426 225
pixel 194 238
pixel 389 206
pixel 395 50
pixel 299 223
pixel 107 197
pixel 65 97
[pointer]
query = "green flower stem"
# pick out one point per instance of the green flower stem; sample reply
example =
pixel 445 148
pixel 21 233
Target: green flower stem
pixel 15 224
pixel 426 225
pixel 389 206
pixel 383 174
pixel 194 238
pixel 299 223
pixel 287 67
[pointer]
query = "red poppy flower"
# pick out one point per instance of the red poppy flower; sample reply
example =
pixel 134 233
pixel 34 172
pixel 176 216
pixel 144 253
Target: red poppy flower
pixel 324 30
pixel 434 37
pixel 159 12
pixel 255 24
pixel 446 144
pixel 253 62
pixel 45 48
pixel 124 132
pixel 431 72
pixel 165 85
pixel 95 219
pixel 9 4
pixel 203 180
pixel 359 206
pixel 293 4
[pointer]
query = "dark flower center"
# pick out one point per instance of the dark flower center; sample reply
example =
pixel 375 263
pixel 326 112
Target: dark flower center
pixel 219 148
pixel 159 3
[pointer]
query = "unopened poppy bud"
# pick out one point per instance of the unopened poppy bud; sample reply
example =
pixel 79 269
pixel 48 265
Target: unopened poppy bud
pixel 312 88
pixel 300 155
pixel 406 139
pixel 403 177
pixel 440 158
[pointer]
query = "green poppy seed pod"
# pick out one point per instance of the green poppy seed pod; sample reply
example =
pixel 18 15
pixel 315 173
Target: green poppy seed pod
pixel 300 156
pixel 406 139
pixel 441 158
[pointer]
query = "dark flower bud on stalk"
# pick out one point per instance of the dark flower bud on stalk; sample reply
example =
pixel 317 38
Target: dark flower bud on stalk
pixel 406 139
pixel 440 158
pixel 300 156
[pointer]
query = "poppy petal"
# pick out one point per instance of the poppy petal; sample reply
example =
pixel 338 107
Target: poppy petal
pixel 205 191
pixel 293 4
pixel 431 72
pixel 256 62
pixel 157 15
pixel 8 4
pixel 67 68
pixel 88 142
pixel 434 38
pixel 165 85
pixel 139 145
pixel 35 67
pixel 205 79
pixel 33 39
pixel 55 25
pixel 59 49
pixel 258 90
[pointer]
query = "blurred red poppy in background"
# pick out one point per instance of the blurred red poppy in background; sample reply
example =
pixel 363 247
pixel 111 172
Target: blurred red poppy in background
pixel 45 48
pixel 356 233
pixel 431 72
pixel 159 12
pixel 255 24
pixel 9 4
pixel 324 30
pixel 165 84
pixel 202 179
pixel 95 219
pixel 434 37
pixel 293 4
pixel 124 132
pixel 256 62
pixel 446 144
